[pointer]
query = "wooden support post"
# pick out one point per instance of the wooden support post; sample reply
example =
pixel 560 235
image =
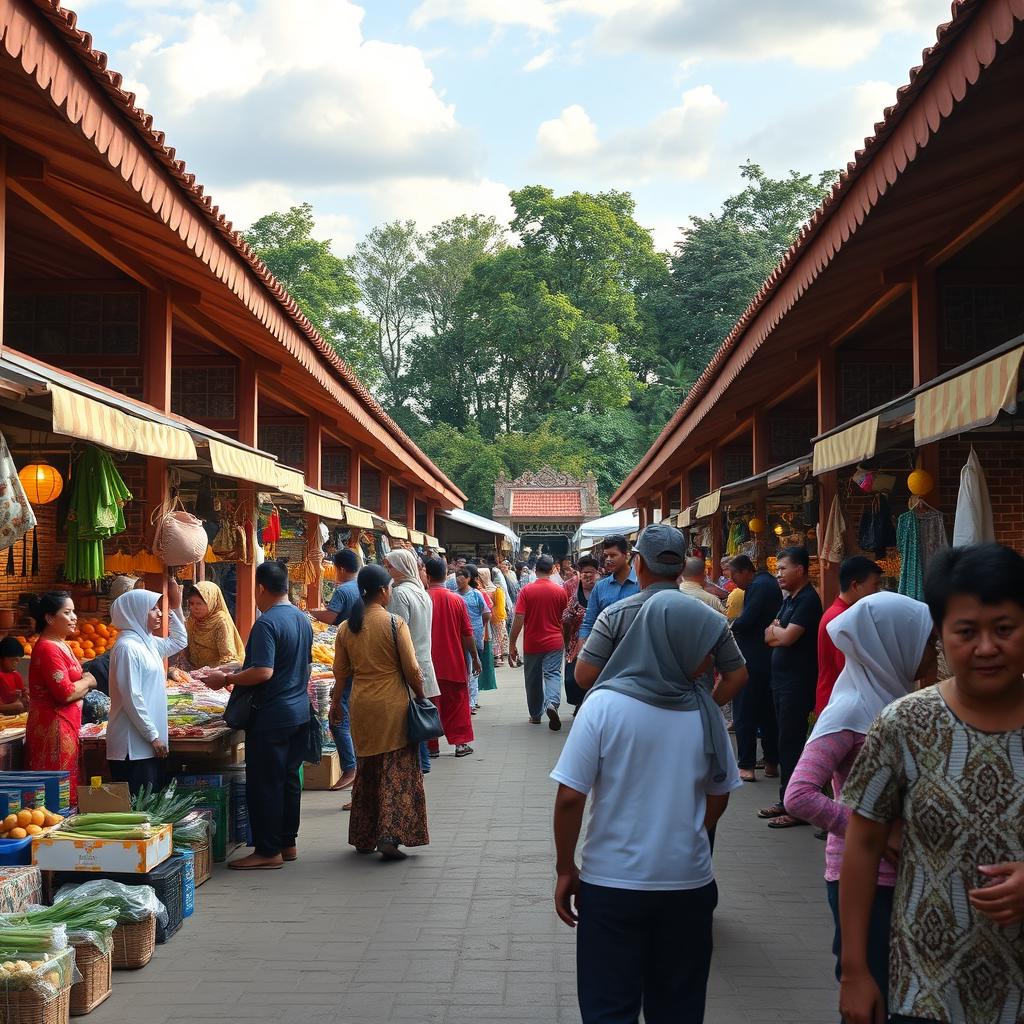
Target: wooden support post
pixel 431 518
pixel 925 310
pixel 410 508
pixel 716 479
pixel 828 483
pixel 355 471
pixel 760 458
pixel 313 474
pixel 3 234
pixel 248 410
pixel 385 494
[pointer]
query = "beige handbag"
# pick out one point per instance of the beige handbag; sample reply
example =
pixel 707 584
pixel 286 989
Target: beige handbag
pixel 179 538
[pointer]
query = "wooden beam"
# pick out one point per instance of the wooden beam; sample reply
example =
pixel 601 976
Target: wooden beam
pixel 925 311
pixel 157 320
pixel 24 164
pixel 759 444
pixel 3 233
pixel 826 388
pixel 979 226
pixel 248 412
pixel 876 307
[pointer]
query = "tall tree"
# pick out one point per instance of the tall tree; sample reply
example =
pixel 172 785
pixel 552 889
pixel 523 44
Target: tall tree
pixel 385 264
pixel 320 282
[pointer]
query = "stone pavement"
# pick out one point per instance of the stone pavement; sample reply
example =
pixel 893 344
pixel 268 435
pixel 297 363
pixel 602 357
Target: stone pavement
pixel 464 930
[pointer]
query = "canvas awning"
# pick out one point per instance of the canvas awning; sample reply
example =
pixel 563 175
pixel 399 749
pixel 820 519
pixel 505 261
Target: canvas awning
pixel 972 399
pixel 242 464
pixel 356 517
pixel 326 506
pixel 396 531
pixel 290 481
pixel 682 521
pixel 417 538
pixel 78 416
pixel 432 542
pixel 708 505
pixel 847 447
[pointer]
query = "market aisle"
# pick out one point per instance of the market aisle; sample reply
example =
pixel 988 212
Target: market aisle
pixel 464 930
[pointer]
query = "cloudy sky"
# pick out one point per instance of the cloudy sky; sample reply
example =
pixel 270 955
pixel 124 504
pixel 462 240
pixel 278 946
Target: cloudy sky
pixel 428 108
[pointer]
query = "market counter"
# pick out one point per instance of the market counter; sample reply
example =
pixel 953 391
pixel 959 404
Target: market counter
pixel 220 746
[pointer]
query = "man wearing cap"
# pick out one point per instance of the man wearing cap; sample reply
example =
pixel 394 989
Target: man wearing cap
pixel 650 748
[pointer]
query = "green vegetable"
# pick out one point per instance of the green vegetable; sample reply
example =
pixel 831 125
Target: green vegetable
pixel 109 817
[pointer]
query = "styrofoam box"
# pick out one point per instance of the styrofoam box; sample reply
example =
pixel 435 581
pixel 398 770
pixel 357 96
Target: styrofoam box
pixel 134 855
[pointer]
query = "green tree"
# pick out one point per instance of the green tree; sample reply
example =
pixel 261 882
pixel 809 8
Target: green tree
pixel 467 459
pixel 320 282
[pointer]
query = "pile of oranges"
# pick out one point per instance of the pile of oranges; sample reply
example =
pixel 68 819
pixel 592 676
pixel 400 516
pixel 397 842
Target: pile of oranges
pixel 28 823
pixel 92 638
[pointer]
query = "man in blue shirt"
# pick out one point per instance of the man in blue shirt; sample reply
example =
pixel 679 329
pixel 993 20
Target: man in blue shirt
pixel 277 659
pixel 620 581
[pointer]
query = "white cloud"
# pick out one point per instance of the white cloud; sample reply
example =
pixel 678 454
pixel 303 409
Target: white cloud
pixel 676 143
pixel 533 14
pixel 540 60
pixel 429 201
pixel 295 94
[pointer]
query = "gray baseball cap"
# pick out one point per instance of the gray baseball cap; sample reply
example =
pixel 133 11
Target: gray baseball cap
pixel 663 549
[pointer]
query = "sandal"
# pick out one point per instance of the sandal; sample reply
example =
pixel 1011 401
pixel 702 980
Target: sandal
pixel 786 821
pixel 771 771
pixel 748 775
pixel 775 811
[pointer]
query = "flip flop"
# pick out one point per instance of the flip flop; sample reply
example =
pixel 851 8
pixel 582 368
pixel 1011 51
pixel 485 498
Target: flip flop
pixel 748 775
pixel 786 821
pixel 775 811
pixel 237 865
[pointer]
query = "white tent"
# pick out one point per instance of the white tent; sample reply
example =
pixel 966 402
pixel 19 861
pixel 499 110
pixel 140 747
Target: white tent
pixel 484 525
pixel 618 522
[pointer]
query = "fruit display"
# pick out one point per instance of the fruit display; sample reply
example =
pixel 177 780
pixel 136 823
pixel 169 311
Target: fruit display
pixel 92 638
pixel 28 823
pixel 323 654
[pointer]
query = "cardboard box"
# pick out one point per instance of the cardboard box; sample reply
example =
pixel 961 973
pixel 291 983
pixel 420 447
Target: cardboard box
pixel 127 855
pixel 323 775
pixel 110 796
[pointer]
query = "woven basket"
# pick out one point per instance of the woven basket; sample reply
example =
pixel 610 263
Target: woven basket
pixel 203 863
pixel 94 965
pixel 134 943
pixel 27 1006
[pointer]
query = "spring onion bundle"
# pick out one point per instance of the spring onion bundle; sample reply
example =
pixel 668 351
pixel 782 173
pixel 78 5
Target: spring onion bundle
pixel 33 938
pixel 127 902
pixel 108 825
pixel 166 807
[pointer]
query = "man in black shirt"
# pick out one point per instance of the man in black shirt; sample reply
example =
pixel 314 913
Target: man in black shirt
pixel 793 638
pixel 753 708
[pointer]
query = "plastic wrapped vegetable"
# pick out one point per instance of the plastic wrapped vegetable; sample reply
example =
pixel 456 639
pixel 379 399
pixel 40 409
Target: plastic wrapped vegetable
pixel 88 919
pixel 43 974
pixel 131 902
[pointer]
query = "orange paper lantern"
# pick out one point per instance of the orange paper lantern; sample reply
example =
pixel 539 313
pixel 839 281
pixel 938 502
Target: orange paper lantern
pixel 42 483
pixel 920 482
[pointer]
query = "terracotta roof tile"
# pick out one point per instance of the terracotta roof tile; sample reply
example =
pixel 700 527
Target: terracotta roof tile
pixel 547 504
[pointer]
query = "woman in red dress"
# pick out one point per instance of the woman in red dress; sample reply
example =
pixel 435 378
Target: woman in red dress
pixel 56 686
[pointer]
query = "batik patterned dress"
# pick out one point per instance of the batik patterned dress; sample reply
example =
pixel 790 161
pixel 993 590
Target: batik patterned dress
pixel 51 735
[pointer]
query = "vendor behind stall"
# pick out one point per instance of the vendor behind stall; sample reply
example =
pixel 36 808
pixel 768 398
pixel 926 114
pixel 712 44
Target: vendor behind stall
pixel 137 729
pixel 346 593
pixel 213 638
pixel 13 699
pixel 56 685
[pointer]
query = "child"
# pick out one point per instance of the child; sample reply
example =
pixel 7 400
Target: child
pixel 13 699
pixel 947 761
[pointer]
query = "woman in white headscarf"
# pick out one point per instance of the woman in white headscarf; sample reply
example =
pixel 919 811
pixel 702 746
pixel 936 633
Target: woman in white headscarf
pixel 887 642
pixel 137 728
pixel 410 601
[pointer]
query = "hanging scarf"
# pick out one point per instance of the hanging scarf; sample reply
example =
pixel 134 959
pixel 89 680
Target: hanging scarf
pixel 208 635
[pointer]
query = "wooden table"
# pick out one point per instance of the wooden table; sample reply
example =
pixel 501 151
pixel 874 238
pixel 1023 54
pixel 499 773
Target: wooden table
pixel 221 746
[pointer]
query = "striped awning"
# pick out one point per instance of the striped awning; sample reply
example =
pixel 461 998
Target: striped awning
pixel 322 505
pixel 243 464
pixel 290 481
pixel 432 542
pixel 396 531
pixel 682 521
pixel 973 399
pixel 708 505
pixel 89 420
pixel 357 517
pixel 417 538
pixel 847 447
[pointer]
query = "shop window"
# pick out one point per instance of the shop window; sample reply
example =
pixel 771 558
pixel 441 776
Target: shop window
pixel 700 482
pixel 369 488
pixel 334 469
pixel 286 441
pixel 399 504
pixel 737 465
pixel 975 319
pixel 864 386
pixel 75 323
pixel 204 393
pixel 421 516
pixel 789 437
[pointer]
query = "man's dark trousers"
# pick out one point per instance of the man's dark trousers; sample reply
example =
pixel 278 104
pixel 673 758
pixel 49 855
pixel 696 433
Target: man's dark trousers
pixel 273 791
pixel 649 949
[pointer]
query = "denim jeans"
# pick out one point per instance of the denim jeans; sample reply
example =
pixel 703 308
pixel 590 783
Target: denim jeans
pixel 343 733
pixel 879 928
pixel 424 757
pixel 543 681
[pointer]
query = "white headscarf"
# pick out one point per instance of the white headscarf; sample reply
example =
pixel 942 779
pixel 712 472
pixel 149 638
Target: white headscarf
pixel 130 614
pixel 404 563
pixel 883 638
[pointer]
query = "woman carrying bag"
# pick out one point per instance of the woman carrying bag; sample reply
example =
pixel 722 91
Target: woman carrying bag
pixel 137 729
pixel 375 648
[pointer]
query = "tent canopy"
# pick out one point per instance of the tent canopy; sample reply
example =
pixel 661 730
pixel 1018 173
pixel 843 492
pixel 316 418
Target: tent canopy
pixel 475 522
pixel 624 522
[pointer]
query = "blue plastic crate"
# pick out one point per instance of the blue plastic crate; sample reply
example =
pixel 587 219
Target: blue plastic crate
pixel 15 851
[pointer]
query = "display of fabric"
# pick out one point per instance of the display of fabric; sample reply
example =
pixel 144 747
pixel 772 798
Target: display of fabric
pixel 96 514
pixel 833 544
pixel 973 523
pixel 737 537
pixel 876 531
pixel 932 527
pixel 16 515
pixel 908 540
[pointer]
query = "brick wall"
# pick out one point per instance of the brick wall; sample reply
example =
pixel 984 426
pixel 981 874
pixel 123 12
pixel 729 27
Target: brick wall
pixel 51 554
pixel 1003 463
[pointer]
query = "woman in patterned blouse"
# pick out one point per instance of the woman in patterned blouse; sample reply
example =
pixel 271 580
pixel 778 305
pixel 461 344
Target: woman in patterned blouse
pixel 948 762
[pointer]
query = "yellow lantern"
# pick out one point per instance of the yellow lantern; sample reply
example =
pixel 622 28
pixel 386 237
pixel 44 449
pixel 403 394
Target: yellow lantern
pixel 42 483
pixel 920 483
pixel 756 525
pixel 778 530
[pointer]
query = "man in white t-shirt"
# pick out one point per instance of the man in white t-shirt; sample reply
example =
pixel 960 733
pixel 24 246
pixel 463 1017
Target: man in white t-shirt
pixel 651 749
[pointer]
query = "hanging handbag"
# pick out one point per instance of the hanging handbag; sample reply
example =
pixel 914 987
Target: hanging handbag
pixel 229 544
pixel 179 538
pixel 241 707
pixel 423 720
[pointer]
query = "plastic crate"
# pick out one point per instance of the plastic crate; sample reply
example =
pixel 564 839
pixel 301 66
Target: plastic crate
pixel 166 879
pixel 15 851
pixel 218 800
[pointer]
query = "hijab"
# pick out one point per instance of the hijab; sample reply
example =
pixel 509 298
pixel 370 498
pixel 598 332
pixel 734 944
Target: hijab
pixel 486 583
pixel 883 638
pixel 206 636
pixel 670 636
pixel 404 563
pixel 130 614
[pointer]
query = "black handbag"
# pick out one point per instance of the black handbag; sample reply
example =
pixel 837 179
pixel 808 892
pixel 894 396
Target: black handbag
pixel 314 738
pixel 241 707
pixel 423 720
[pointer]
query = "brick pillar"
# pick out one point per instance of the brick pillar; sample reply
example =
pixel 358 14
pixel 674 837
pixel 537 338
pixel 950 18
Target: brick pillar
pixel 248 408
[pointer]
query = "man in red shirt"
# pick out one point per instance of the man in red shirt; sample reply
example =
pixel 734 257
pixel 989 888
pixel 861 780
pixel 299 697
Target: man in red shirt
pixel 453 654
pixel 858 577
pixel 539 610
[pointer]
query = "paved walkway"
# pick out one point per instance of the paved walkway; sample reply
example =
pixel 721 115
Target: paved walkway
pixel 463 930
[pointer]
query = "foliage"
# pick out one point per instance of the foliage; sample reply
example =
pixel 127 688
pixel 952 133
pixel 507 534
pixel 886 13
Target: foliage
pixel 320 282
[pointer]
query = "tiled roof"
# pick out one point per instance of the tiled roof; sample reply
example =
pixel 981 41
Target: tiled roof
pixel 910 125
pixel 547 504
pixel 22 41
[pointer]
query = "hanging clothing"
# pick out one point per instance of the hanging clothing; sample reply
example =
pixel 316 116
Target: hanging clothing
pixel 16 515
pixel 51 733
pixel 138 683
pixel 96 513
pixel 213 640
pixel 908 540
pixel 973 523
pixel 833 544
pixel 931 527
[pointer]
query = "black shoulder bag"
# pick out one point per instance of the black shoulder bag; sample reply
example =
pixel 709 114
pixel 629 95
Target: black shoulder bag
pixel 423 719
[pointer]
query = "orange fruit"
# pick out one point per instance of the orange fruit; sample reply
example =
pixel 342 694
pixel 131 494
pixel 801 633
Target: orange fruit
pixel 38 816
pixel 11 821
pixel 34 830
pixel 17 833
pixel 24 818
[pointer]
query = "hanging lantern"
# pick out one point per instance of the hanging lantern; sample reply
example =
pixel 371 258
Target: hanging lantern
pixel 756 525
pixel 778 530
pixel 42 483
pixel 920 483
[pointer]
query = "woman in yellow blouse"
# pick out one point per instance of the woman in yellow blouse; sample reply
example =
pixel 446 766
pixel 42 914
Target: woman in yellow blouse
pixel 213 638
pixel 375 648
pixel 499 615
